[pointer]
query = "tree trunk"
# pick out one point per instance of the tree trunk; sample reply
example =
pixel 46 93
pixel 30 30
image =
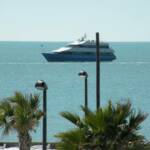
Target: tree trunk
pixel 24 141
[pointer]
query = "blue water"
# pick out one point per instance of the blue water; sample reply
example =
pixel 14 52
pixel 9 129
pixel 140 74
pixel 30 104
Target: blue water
pixel 21 65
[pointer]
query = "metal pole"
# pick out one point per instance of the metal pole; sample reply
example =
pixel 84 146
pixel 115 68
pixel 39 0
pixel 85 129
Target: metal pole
pixel 97 72
pixel 44 120
pixel 86 94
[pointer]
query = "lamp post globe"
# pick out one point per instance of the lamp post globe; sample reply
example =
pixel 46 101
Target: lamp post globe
pixel 83 73
pixel 41 85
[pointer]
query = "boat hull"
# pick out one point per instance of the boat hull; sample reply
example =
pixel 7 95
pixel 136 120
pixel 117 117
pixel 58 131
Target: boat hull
pixel 52 57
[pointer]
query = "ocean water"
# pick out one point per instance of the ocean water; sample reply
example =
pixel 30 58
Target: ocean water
pixel 128 77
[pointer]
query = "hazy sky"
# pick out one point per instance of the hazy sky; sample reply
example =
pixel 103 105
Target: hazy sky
pixel 67 20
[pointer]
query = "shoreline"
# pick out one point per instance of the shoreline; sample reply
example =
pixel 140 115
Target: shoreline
pixel 35 145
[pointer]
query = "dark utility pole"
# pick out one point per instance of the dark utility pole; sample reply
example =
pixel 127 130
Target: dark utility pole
pixel 97 71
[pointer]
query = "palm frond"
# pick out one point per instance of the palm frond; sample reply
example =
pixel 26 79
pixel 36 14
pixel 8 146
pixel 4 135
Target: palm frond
pixel 74 139
pixel 74 118
pixel 136 119
pixel 34 101
pixel 112 127
pixel 20 112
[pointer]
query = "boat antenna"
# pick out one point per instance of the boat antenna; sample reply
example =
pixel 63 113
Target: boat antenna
pixel 85 36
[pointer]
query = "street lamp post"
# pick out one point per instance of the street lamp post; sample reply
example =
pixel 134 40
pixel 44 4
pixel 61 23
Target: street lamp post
pixel 41 85
pixel 85 75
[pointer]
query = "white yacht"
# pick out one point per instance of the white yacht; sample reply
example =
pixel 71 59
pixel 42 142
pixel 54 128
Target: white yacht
pixel 81 50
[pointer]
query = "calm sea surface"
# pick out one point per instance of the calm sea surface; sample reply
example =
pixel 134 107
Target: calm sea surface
pixel 21 65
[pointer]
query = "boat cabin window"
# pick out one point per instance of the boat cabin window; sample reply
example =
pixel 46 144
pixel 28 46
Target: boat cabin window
pixel 78 53
pixel 89 46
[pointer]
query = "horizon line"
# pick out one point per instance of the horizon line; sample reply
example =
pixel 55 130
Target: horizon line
pixel 70 41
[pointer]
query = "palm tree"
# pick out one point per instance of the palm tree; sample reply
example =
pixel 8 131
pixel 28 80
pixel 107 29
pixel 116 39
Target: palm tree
pixel 20 113
pixel 112 127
